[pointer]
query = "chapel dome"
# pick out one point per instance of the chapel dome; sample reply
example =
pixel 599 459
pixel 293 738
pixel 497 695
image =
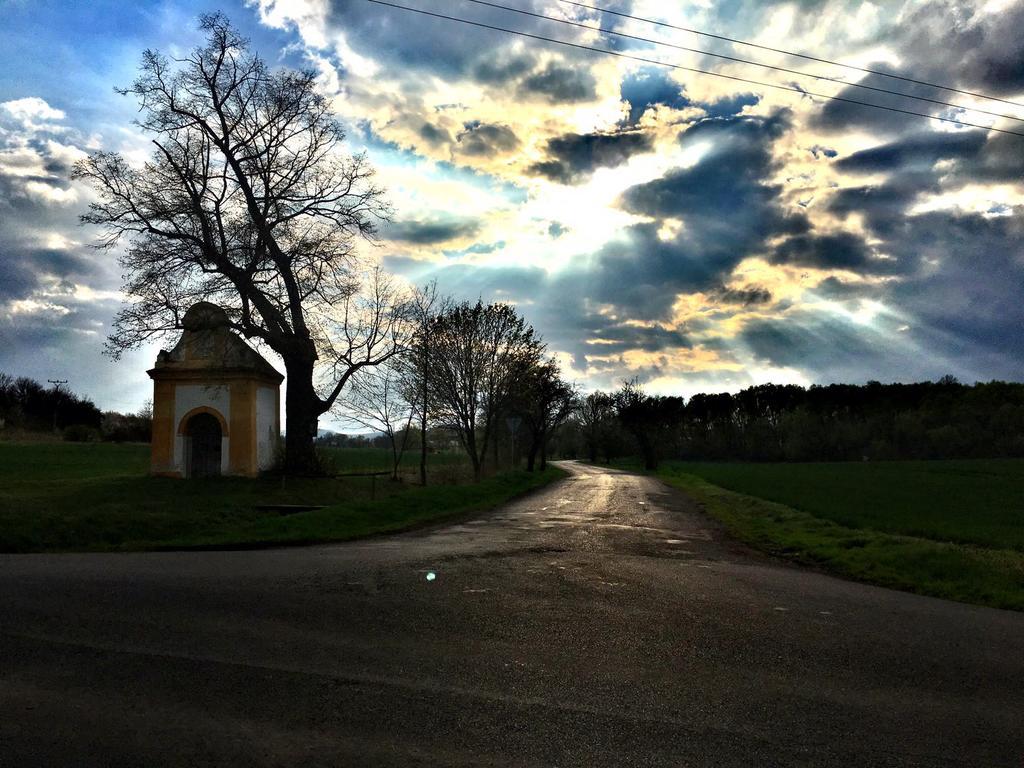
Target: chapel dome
pixel 204 316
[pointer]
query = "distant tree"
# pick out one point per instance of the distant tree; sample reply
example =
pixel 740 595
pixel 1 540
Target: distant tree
pixel 650 419
pixel 596 412
pixel 249 203
pixel 544 401
pixel 126 427
pixel 27 404
pixel 479 355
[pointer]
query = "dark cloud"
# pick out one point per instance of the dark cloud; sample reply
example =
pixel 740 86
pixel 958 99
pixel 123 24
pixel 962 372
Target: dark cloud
pixel 834 288
pixel 556 229
pixel 747 296
pixel 478 248
pixel 27 265
pixel 728 106
pixel 831 349
pixel 920 150
pixel 727 207
pixel 970 157
pixel 884 206
pixel 573 157
pixel 434 135
pixel 412 44
pixel 486 139
pixel 969 287
pixel 559 84
pixel 841 250
pixel 948 42
pixel 431 232
pixel 499 71
pixel 730 175
pixel 976 50
pixel 999 160
pixel 647 87
pixel 817 150
pixel 24 269
pixel 955 308
pixel 843 116
pixel 616 338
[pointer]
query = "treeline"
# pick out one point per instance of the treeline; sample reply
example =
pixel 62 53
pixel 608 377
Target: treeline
pixel 26 405
pixel 838 422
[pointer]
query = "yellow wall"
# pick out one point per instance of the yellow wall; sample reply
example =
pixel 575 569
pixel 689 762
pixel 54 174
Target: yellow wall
pixel 242 445
pixel 164 429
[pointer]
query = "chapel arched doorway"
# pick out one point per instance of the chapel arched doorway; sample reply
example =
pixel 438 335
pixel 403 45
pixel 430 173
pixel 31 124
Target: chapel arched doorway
pixel 204 445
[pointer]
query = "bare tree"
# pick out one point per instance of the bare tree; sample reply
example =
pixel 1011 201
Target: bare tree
pixel 426 304
pixel 546 400
pixel 479 355
pixel 376 400
pixel 248 202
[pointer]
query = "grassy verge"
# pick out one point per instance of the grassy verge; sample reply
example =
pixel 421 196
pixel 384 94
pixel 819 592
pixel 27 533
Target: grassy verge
pixel 66 497
pixel 954 555
pixel 407 509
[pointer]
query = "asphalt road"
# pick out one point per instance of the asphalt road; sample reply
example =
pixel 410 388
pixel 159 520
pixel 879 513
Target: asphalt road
pixel 602 621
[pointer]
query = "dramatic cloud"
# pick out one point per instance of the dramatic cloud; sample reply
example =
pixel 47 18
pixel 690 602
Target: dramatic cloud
pixel 575 156
pixel 649 87
pixel 692 246
pixel 480 140
pixel 920 150
pixel 560 84
pixel 431 232
pixel 844 250
pixel 697 232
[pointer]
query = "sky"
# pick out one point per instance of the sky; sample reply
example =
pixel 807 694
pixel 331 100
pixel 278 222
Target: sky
pixel 696 232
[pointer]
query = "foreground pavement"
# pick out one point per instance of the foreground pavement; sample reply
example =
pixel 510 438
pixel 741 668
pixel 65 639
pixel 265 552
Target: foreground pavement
pixel 601 621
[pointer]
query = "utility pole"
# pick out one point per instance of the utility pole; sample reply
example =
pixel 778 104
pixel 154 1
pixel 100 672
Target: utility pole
pixel 56 403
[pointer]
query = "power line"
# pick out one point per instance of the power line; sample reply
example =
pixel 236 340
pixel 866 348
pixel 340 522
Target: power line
pixel 739 60
pixel 806 56
pixel 735 78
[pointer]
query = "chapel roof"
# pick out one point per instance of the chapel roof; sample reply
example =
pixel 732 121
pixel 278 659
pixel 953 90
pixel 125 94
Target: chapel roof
pixel 209 348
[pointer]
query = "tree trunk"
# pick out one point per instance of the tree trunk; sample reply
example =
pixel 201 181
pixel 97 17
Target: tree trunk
pixel 423 421
pixel 543 453
pixel 531 457
pixel 302 409
pixel 649 453
pixel 475 457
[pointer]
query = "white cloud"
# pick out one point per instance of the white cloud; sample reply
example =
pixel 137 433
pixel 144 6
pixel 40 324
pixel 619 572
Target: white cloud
pixel 30 109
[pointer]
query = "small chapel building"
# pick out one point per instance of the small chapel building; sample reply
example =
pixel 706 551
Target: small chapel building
pixel 216 402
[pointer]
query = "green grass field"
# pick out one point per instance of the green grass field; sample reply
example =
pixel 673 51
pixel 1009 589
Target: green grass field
pixel 65 496
pixel 952 529
pixel 378 460
pixel 971 502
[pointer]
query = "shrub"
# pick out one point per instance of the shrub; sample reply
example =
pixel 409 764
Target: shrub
pixel 81 433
